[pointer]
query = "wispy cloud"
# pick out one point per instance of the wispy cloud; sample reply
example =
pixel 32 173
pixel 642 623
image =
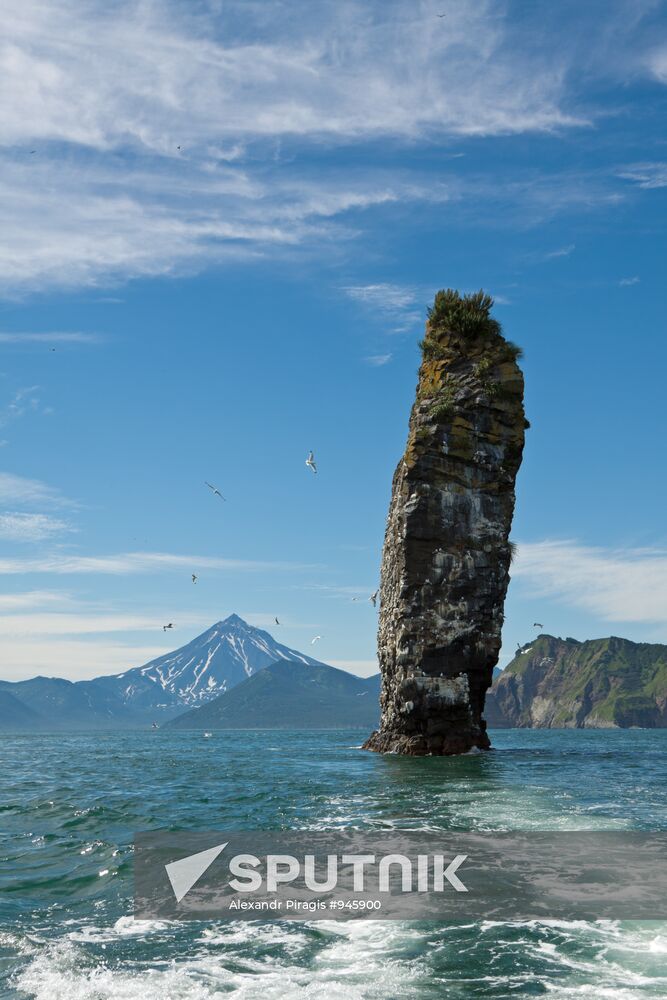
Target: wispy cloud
pixel 23 401
pixel 55 337
pixel 382 296
pixel 394 305
pixel 657 64
pixel 561 252
pixel 136 562
pixel 18 490
pixel 64 623
pixel 32 599
pixel 378 360
pixel 156 129
pixel 646 175
pixel 620 585
pixel 156 77
pixel 629 281
pixel 18 527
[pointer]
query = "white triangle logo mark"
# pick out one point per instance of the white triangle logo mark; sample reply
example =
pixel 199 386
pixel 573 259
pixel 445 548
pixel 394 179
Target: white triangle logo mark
pixel 184 873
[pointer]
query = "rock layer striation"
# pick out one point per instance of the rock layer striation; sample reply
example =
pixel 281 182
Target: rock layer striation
pixel 446 556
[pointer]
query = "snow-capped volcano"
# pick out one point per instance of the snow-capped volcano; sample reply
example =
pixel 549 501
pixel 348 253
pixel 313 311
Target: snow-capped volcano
pixel 215 661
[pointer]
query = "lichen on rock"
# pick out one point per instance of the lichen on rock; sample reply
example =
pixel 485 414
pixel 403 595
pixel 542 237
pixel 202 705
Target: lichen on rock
pixel 446 556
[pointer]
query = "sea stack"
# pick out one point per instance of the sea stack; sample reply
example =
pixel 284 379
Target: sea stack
pixel 446 556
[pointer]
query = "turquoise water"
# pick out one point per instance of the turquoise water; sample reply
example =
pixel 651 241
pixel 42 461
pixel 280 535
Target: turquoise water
pixel 70 804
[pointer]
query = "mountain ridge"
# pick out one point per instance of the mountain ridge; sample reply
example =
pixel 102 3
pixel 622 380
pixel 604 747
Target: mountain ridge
pixel 227 653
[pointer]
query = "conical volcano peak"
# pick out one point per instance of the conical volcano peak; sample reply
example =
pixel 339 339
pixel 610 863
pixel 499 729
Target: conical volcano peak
pixel 232 619
pixel 214 661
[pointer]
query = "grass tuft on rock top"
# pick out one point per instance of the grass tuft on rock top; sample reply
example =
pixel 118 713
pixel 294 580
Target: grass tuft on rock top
pixel 469 315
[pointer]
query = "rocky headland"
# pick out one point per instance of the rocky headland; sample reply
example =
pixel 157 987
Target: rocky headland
pixel 565 684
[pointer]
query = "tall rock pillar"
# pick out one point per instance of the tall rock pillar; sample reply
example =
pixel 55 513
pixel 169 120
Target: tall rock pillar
pixel 446 556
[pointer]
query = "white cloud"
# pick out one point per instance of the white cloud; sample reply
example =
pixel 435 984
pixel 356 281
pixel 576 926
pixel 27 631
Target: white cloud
pixel 562 252
pixel 362 668
pixel 657 64
pixel 30 527
pixel 378 360
pixel 158 77
pixel 619 585
pixel 22 401
pixel 65 623
pixel 135 562
pixel 18 490
pixel 48 338
pixel 73 659
pixel 646 175
pixel 32 599
pixel 624 282
pixel 382 296
pixel 394 305
pixel 105 95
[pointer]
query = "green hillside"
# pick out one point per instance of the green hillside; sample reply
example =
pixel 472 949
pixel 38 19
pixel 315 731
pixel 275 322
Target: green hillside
pixel 291 695
pixel 600 683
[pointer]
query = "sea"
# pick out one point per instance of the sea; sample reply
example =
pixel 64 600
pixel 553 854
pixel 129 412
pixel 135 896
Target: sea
pixel 70 804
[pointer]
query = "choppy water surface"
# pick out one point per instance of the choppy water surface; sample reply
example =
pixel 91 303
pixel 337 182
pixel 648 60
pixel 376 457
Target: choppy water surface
pixel 69 806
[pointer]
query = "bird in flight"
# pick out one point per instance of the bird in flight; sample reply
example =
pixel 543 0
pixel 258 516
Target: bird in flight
pixel 194 577
pixel 165 627
pixel 310 462
pixel 537 625
pixel 316 639
pixel 215 490
pixel 276 621
pixel 374 598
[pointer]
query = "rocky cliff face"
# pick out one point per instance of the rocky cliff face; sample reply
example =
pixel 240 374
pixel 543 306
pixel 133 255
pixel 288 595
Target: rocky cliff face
pixel 563 684
pixel 446 557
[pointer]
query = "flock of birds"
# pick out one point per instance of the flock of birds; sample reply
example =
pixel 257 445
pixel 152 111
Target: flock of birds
pixel 310 464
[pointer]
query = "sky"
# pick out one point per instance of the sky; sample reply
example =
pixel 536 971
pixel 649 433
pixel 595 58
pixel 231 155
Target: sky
pixel 221 224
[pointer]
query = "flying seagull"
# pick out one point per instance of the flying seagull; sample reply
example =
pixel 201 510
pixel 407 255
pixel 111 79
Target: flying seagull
pixel 313 641
pixel 194 577
pixel 215 490
pixel 537 625
pixel 374 598
pixel 165 627
pixel 276 621
pixel 310 462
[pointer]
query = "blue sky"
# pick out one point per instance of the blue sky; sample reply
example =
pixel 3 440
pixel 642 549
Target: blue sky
pixel 170 316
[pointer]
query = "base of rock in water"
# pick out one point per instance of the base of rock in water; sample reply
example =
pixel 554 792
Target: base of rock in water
pixel 448 745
